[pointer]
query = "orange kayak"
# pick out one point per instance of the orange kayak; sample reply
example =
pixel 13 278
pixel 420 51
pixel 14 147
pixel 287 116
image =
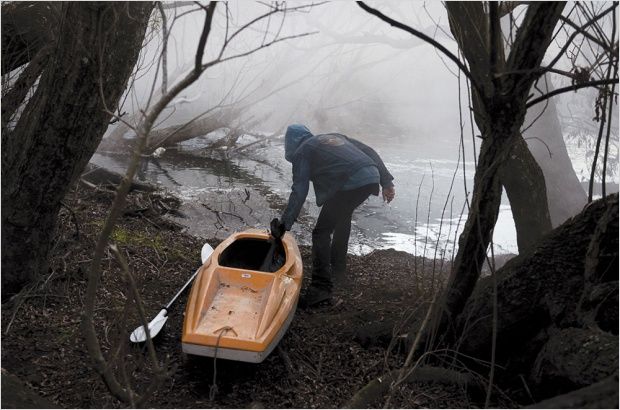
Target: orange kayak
pixel 237 311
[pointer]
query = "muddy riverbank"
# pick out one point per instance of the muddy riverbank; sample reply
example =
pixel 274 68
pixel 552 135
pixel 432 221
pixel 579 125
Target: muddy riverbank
pixel 327 354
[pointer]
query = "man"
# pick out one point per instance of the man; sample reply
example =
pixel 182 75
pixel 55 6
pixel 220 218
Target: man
pixel 344 172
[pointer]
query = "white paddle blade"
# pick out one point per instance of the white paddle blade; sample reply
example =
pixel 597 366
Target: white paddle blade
pixel 139 335
pixel 206 251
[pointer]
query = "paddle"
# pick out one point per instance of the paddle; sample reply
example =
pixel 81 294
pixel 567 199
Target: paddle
pixel 277 230
pixel 267 262
pixel 155 325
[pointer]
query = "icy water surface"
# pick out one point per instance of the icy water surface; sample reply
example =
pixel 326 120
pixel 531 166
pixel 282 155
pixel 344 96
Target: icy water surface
pixel 248 190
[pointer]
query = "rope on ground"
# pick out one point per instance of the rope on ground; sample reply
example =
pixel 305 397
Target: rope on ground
pixel 222 331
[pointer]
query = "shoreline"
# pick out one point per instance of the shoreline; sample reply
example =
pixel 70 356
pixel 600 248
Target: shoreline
pixel 351 341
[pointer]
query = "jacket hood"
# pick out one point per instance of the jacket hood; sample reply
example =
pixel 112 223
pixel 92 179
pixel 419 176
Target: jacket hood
pixel 295 135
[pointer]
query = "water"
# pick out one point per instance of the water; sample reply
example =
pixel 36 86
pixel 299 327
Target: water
pixel 223 195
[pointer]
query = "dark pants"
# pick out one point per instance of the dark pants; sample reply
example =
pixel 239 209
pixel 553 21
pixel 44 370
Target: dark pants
pixel 330 254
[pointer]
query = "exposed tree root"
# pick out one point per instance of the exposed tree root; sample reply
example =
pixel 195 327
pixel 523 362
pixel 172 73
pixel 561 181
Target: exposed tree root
pixel 17 395
pixel 574 358
pixel 378 388
pixel 557 306
pixel 601 395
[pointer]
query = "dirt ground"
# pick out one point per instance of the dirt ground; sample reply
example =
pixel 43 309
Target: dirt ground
pixel 325 357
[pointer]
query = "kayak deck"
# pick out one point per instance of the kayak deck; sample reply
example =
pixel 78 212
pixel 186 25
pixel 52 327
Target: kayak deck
pixel 236 305
pixel 239 312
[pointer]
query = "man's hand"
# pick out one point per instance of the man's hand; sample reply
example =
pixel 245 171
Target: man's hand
pixel 277 228
pixel 388 194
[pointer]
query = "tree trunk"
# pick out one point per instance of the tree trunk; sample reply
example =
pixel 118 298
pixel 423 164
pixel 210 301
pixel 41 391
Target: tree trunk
pixel 13 99
pixel 502 109
pixel 27 27
pixel 543 134
pixel 476 234
pixel 519 174
pixel 168 136
pixel 526 189
pixel 61 126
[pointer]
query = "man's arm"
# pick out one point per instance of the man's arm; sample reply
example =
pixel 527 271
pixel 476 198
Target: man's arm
pixel 385 178
pixel 299 191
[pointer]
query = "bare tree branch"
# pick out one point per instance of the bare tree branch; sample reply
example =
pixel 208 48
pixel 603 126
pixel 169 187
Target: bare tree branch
pixel 164 50
pixel 421 35
pixel 506 7
pixel 571 88
pixel 609 48
pixel 90 334
pixel 246 53
pixel 577 32
pixel 177 4
pixel 528 52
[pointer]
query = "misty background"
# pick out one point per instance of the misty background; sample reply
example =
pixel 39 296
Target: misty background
pixel 354 75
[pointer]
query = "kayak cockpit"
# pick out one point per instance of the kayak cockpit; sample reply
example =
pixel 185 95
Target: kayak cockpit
pixel 250 253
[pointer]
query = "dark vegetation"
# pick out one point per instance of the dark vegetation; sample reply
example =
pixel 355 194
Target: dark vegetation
pixel 326 355
pixel 549 312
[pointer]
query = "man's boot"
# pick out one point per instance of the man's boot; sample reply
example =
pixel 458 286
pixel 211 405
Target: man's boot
pixel 315 295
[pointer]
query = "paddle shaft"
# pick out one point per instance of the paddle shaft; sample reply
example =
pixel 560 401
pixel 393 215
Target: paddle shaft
pixel 265 266
pixel 155 325
pixel 191 279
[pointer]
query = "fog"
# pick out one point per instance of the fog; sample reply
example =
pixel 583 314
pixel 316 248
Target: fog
pixel 346 71
pixel 356 75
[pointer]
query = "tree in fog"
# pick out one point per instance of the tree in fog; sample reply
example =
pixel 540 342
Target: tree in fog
pixel 80 55
pixel 501 87
pixel 567 273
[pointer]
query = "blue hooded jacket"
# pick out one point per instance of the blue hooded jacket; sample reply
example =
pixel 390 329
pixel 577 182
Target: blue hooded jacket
pixel 329 161
pixel 295 135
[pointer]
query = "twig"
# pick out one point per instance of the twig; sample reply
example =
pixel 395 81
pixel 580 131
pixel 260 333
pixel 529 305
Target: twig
pixel 217 213
pixel 138 300
pixel 405 372
pixel 611 111
pixel 605 100
pixel 90 334
pixel 494 329
pixel 287 361
pixel 74 219
pixel 571 88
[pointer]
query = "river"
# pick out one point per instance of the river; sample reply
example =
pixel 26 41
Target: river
pixel 221 195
